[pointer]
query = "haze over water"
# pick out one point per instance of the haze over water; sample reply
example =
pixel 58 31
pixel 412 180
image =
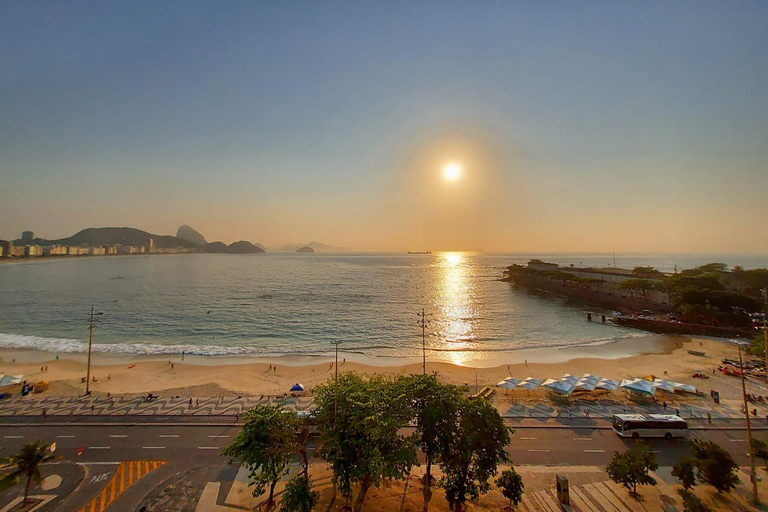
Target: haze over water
pixel 275 304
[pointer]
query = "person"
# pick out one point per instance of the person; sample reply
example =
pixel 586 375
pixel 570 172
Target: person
pixel 709 417
pixel 45 412
pixel 754 412
pixel 171 366
pixel 197 403
pixel 92 407
pixel 109 395
pixel 237 416
pixel 190 402
pixel 677 412
pixel 665 405
pixel 182 355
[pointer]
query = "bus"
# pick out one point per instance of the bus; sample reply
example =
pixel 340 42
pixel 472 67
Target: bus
pixel 650 425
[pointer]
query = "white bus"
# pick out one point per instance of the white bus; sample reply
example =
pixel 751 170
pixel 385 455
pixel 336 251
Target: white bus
pixel 650 425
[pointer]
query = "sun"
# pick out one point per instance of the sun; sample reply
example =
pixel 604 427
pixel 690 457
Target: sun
pixel 452 172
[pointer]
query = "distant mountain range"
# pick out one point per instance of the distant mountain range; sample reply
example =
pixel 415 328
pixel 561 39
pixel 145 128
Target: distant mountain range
pixel 186 237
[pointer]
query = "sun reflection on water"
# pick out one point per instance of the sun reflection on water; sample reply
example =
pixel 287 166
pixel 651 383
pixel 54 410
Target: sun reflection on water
pixel 456 305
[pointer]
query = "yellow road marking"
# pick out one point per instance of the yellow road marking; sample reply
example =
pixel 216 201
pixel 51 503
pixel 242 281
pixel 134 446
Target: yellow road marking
pixel 117 484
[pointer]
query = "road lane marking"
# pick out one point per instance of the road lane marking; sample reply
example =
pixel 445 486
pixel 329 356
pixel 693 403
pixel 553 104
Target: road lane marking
pixel 124 476
pixel 117 435
pixel 537 450
pixel 594 451
pixel 228 436
pixel 153 447
pixel 99 447
pixel 65 437
pixel 738 440
pixel 208 448
pixel 13 437
pixel 99 463
pixel 582 438
pixel 528 438
pixel 169 435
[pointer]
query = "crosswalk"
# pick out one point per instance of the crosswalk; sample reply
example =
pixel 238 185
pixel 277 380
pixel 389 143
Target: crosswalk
pixel 127 473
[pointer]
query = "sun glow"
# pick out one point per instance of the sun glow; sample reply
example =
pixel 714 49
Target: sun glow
pixel 452 172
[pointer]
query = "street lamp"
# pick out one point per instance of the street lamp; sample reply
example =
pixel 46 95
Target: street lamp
pixel 336 381
pixel 90 345
pixel 423 322
pixel 753 477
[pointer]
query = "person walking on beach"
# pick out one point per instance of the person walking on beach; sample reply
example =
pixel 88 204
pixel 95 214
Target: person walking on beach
pixel 709 417
pixel 190 402
pixel 182 355
pixel 197 403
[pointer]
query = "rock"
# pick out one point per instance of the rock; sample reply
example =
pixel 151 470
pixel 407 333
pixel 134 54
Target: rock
pixel 191 235
pixel 244 247
pixel 305 249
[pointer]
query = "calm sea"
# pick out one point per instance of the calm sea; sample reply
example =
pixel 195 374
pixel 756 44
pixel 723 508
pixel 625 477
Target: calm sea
pixel 274 304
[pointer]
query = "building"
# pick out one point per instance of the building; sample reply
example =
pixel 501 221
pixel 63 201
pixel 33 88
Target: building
pixel 151 247
pixel 27 237
pixel 97 251
pixel 17 251
pixel 111 249
pixel 33 251
pixel 7 246
pixel 543 266
pixel 55 250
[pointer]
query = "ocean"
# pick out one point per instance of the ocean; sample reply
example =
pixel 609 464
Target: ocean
pixel 299 304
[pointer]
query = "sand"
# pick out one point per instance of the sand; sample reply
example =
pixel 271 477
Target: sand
pixel 663 356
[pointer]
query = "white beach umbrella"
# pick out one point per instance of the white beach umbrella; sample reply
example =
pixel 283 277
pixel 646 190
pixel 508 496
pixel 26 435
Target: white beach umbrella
pixel 587 384
pixel 685 387
pixel 564 387
pixel 530 383
pixel 664 385
pixel 610 385
pixel 508 383
pixel 642 386
pixel 570 378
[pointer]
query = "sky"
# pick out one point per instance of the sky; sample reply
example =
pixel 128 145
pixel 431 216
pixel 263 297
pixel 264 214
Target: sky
pixel 578 126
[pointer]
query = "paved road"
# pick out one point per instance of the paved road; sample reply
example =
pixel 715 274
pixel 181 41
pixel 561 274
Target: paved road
pixel 192 444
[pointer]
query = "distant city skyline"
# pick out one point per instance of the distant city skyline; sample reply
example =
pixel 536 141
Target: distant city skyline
pixel 576 127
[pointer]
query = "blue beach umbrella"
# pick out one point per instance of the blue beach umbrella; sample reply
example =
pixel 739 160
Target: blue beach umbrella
pixel 297 388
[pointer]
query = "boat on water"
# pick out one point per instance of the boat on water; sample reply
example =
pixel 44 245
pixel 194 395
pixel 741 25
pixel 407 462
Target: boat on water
pixel 419 252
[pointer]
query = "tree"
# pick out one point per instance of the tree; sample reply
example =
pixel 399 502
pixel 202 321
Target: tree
pixel 760 449
pixel 436 407
pixel 362 442
pixel 692 503
pixel 27 463
pixel 473 456
pixel 511 484
pixel 635 285
pixel 685 471
pixel 757 346
pixel 632 467
pixel 299 496
pixel 716 466
pixel 266 445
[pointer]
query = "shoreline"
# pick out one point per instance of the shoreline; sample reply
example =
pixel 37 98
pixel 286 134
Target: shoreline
pixel 195 376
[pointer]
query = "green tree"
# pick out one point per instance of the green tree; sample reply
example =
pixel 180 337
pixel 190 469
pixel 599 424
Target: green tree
pixel 299 496
pixel 477 449
pixel 27 463
pixel 266 445
pixel 718 268
pixel 637 285
pixel 757 346
pixel 362 442
pixel 647 273
pixel 716 466
pixel 760 449
pixel 685 471
pixel 436 407
pixel 632 467
pixel 511 484
pixel 692 503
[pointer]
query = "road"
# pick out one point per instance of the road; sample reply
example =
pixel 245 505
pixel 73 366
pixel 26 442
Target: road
pixel 531 444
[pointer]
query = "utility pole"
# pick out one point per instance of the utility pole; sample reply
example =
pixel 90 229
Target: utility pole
pixel 422 322
pixel 764 291
pixel 753 477
pixel 336 382
pixel 90 346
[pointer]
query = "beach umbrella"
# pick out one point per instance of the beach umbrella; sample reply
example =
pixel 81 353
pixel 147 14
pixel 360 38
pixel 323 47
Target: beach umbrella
pixel 587 384
pixel 530 383
pixel 508 383
pixel 563 387
pixel 297 388
pixel 687 388
pixel 610 385
pixel 570 378
pixel 641 386
pixel 665 385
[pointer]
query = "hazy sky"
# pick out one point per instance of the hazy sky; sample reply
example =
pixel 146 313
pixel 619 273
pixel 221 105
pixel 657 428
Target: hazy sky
pixel 580 126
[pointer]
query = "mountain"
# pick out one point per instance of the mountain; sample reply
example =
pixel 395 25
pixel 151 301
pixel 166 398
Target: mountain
pixel 305 249
pixel 317 246
pixel 216 247
pixel 125 236
pixel 190 234
pixel 244 247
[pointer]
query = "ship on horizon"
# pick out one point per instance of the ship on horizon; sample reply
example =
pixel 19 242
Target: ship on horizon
pixel 419 252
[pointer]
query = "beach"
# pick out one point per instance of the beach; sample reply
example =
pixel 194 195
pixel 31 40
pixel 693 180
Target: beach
pixel 662 356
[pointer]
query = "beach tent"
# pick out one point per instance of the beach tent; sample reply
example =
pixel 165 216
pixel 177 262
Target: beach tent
pixel 570 378
pixel 297 388
pixel 665 385
pixel 610 385
pixel 588 382
pixel 563 387
pixel 640 386
pixel 508 383
pixel 530 383
pixel 687 388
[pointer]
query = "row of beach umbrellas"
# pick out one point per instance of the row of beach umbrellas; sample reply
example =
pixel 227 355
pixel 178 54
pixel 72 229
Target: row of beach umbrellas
pixel 568 383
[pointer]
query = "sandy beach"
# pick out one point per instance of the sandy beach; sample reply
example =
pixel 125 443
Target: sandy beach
pixel 123 375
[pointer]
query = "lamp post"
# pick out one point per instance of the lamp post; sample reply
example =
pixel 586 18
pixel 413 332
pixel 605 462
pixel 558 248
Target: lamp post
pixel 422 322
pixel 336 381
pixel 90 346
pixel 764 292
pixel 753 476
